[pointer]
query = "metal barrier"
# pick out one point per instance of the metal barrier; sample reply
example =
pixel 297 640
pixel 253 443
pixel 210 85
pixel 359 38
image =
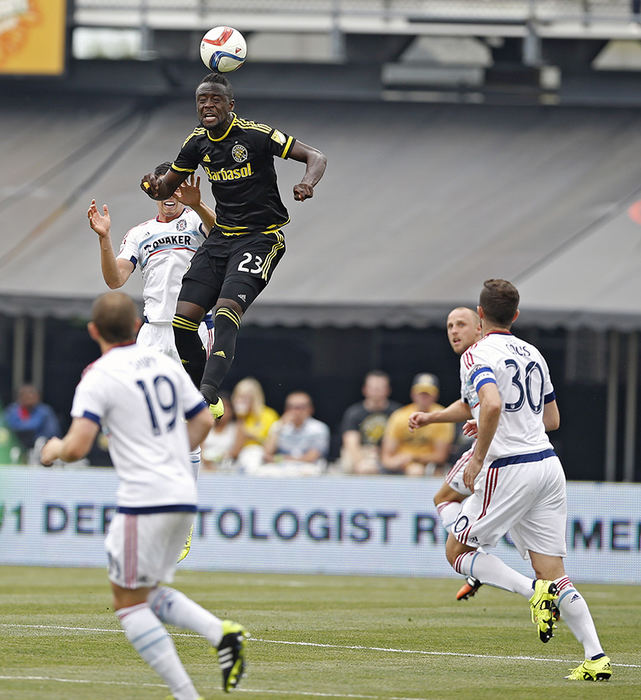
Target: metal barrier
pixel 312 12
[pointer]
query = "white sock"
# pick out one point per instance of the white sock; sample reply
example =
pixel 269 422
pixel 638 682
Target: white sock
pixel 575 611
pixel 448 512
pixel 174 607
pixel 194 457
pixel 151 640
pixel 488 568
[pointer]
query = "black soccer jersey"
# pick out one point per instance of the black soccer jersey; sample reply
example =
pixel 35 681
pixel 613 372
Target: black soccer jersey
pixel 240 167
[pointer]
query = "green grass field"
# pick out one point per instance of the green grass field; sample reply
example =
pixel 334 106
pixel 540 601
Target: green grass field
pixel 312 636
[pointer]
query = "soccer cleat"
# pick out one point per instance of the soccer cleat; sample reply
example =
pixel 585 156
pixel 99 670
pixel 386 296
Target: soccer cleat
pixel 542 608
pixel 187 546
pixel 217 409
pixel 598 670
pixel 468 589
pixel 231 654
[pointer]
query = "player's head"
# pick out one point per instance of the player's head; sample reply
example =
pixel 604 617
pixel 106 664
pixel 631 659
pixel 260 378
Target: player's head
pixel 114 319
pixel 463 328
pixel 214 100
pixel 499 303
pixel 170 208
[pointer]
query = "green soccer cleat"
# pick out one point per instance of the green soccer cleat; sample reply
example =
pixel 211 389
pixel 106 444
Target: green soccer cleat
pixel 187 546
pixel 231 654
pixel 217 409
pixel 542 608
pixel 599 670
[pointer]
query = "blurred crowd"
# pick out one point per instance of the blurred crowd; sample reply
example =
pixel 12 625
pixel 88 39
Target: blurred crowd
pixel 253 438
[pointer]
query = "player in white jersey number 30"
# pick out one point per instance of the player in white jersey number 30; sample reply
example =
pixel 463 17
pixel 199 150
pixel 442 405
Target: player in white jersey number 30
pixel 517 480
pixel 154 415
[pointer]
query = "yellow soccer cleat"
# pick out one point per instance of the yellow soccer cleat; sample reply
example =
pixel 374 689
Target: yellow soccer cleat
pixel 542 608
pixel 598 670
pixel 187 546
pixel 217 409
pixel 231 654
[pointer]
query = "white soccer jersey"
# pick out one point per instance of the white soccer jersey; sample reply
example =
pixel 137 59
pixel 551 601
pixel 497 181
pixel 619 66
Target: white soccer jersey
pixel 523 380
pixel 142 398
pixel 163 251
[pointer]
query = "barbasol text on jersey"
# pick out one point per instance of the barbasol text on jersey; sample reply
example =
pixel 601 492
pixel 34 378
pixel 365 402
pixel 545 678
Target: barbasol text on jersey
pixel 229 174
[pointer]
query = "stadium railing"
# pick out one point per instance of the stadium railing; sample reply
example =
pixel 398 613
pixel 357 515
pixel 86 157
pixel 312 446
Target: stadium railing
pixel 361 16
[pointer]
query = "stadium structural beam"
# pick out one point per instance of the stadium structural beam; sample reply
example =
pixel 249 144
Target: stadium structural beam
pixel 611 408
pixel 630 434
pixel 19 353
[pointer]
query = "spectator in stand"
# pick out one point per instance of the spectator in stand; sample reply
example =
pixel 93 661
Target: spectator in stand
pixel 253 421
pixel 417 453
pixel 217 446
pixel 298 437
pixel 32 421
pixel 363 425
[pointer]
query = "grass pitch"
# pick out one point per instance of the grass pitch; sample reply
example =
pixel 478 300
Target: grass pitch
pixel 312 637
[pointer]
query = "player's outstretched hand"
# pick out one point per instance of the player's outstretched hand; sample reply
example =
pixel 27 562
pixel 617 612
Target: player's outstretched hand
pixel 418 419
pixel 189 191
pixel 149 185
pixel 50 452
pixel 303 191
pixel 100 223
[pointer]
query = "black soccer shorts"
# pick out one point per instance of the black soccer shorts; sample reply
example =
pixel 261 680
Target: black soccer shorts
pixel 232 267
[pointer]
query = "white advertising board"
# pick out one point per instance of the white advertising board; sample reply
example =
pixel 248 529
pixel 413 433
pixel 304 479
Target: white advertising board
pixel 335 525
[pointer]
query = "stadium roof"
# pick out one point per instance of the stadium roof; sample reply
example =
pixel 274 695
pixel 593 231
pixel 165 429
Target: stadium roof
pixel 420 203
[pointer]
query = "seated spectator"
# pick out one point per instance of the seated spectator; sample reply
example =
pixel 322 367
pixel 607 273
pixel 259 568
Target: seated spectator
pixel 363 425
pixel 253 421
pixel 297 439
pixel 420 452
pixel 31 421
pixel 217 446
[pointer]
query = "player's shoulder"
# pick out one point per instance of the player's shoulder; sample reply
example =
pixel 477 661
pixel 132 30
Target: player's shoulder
pixel 138 230
pixel 250 125
pixel 196 134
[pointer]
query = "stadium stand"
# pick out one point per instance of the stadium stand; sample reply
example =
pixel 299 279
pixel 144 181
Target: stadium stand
pixel 420 198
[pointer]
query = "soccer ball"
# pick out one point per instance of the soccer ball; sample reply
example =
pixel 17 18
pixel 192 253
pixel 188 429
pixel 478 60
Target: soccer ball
pixel 223 49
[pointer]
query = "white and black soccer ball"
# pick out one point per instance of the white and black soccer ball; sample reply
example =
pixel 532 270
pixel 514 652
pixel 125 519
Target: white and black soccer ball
pixel 223 49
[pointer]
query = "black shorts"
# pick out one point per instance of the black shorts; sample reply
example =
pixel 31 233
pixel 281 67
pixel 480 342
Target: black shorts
pixel 231 267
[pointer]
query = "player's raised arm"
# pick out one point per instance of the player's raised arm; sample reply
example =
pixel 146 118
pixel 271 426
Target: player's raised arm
pixel 163 186
pixel 115 271
pixel 316 164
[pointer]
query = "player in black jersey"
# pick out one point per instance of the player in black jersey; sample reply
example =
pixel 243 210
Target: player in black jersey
pixel 238 258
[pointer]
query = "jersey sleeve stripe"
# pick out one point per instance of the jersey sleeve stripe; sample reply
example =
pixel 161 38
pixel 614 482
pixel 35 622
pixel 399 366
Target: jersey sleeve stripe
pixel 91 416
pixel 196 409
pixel 288 146
pixel 550 397
pixel 182 170
pixel 487 380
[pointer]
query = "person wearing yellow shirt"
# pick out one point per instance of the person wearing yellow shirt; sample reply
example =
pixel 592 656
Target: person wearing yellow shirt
pixel 421 452
pixel 253 420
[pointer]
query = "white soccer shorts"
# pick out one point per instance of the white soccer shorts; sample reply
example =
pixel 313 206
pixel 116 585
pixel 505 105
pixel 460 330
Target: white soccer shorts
pixel 454 478
pixel 528 498
pixel 161 337
pixel 143 550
